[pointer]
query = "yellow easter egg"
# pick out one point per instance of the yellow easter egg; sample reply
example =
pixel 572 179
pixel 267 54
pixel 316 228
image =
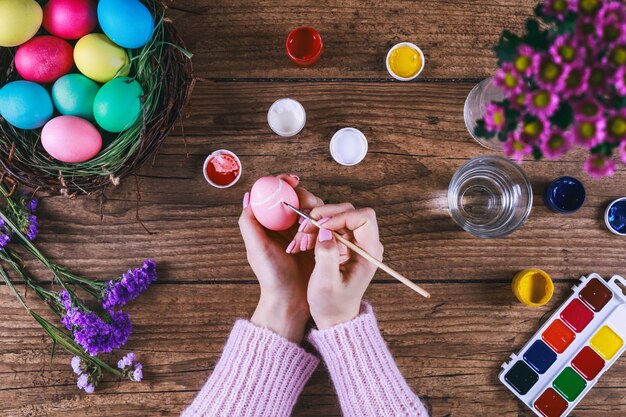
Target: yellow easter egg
pixel 19 21
pixel 98 58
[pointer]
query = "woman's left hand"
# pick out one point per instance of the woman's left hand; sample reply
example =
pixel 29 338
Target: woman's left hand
pixel 283 275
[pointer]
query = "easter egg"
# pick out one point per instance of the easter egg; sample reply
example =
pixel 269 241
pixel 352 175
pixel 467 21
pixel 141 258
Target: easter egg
pixel 43 59
pixel 118 104
pixel 71 139
pixel 73 95
pixel 70 19
pixel 25 105
pixel 19 21
pixel 266 200
pixel 128 23
pixel 98 58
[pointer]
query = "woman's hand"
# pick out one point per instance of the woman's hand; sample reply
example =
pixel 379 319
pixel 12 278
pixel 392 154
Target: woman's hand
pixel 283 277
pixel 340 276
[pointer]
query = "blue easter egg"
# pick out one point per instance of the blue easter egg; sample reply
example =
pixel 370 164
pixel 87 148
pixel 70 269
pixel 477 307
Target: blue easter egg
pixel 25 104
pixel 128 23
pixel 73 95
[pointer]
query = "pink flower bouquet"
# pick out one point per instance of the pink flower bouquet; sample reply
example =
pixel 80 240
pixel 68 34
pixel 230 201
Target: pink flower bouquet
pixel 565 84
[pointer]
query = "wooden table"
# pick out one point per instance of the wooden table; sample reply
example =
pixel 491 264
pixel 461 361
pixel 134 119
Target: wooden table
pixel 450 347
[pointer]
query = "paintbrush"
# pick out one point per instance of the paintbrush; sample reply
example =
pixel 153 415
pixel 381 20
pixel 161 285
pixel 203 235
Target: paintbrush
pixel 365 255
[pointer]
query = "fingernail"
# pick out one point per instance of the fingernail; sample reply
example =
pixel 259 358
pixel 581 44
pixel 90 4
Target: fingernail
pixel 295 177
pixel 323 220
pixel 291 246
pixel 324 235
pixel 303 225
pixel 246 200
pixel 304 243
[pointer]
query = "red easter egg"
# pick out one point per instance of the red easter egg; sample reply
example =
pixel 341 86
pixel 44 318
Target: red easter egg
pixel 43 59
pixel 70 19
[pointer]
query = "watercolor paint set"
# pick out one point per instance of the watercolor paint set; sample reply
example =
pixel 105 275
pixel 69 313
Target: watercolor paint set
pixel 558 366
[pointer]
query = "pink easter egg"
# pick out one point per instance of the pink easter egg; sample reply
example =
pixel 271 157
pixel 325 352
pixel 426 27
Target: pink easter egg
pixel 71 139
pixel 70 19
pixel 266 199
pixel 43 59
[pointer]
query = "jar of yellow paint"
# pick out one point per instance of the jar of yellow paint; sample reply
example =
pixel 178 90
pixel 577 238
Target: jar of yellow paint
pixel 533 287
pixel 405 61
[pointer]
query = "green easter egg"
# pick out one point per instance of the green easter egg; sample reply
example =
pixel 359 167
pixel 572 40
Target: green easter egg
pixel 118 104
pixel 73 95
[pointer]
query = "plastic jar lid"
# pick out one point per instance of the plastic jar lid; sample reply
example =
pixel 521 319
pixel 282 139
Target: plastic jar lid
pixel 348 146
pixel 286 117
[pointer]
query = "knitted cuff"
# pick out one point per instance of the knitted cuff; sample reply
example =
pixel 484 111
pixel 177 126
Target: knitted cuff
pixel 366 377
pixel 259 374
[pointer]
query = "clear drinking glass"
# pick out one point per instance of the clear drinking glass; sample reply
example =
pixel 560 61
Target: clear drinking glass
pixel 477 100
pixel 490 196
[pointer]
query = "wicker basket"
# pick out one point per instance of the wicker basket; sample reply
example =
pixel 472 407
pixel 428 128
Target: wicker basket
pixel 164 70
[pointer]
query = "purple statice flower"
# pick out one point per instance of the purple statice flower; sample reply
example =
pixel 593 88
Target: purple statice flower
pixel 515 148
pixel 509 80
pixel 589 132
pixel 567 50
pixel 5 234
pixel 556 144
pixel 542 103
pixel 495 118
pixel 610 22
pixel 576 81
pixel 558 8
pixel 117 293
pixel 524 61
pixel 622 152
pixel 32 204
pixel 85 382
pixel 619 81
pixel 616 126
pixel 599 165
pixel 77 365
pixel 131 367
pixel 549 74
pixel 533 129
pixel 32 231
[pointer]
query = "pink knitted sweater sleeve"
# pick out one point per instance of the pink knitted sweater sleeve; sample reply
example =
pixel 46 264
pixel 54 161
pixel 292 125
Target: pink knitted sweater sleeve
pixel 260 374
pixel 366 377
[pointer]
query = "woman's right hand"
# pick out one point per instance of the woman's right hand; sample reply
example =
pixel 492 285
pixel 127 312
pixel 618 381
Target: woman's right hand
pixel 340 276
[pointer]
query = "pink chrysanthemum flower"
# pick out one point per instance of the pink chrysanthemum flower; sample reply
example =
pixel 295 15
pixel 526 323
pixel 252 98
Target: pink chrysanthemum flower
pixel 576 82
pixel 610 22
pixel 495 118
pixel 556 144
pixel 620 81
pixel 549 74
pixel 589 132
pixel 589 7
pixel 566 50
pixel 598 166
pixel 509 80
pixel 515 148
pixel 598 79
pixel 616 126
pixel 542 103
pixel 622 152
pixel 558 8
pixel 616 55
pixel 534 130
pixel 524 61
pixel 588 109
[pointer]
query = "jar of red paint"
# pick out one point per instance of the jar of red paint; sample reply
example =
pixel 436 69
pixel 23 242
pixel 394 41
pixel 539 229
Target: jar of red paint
pixel 304 46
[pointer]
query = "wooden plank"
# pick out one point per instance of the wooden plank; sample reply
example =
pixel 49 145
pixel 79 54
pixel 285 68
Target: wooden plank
pixel 238 39
pixel 180 331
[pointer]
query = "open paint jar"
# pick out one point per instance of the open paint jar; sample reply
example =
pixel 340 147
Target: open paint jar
pixel 564 195
pixel 533 287
pixel 286 117
pixel 304 46
pixel 405 61
pixel 222 169
pixel 615 216
pixel 348 146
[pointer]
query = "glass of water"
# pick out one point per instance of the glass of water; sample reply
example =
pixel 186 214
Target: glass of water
pixel 476 103
pixel 490 196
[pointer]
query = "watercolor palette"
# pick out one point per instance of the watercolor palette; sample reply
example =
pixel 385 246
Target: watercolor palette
pixel 566 357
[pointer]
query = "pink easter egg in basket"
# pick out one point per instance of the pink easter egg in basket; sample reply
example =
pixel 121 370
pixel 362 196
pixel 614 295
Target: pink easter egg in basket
pixel 266 200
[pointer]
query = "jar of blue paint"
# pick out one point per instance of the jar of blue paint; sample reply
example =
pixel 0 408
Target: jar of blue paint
pixel 615 216
pixel 564 195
